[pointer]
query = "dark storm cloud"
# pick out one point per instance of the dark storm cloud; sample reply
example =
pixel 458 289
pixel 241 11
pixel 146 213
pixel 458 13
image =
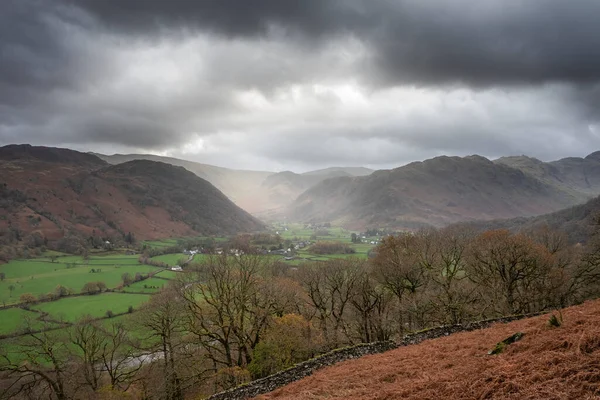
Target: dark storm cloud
pixel 429 42
pixel 230 17
pixel 269 79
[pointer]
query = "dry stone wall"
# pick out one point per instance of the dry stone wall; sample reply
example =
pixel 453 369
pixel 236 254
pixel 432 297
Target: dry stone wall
pixel 306 368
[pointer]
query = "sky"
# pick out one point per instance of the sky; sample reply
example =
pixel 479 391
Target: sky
pixel 300 85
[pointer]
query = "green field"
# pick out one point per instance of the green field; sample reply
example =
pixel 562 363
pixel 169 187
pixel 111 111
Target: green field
pixel 297 232
pixel 150 285
pixel 71 308
pixel 163 243
pixel 41 276
pixel 14 319
pixel 171 259
pixel 166 274
pixel 160 243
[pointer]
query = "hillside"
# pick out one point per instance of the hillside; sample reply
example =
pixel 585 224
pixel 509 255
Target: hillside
pixel 57 191
pixel 578 223
pixel 437 192
pixel 283 188
pixel 341 171
pixel 258 192
pixel 239 185
pixel 579 176
pixel 547 363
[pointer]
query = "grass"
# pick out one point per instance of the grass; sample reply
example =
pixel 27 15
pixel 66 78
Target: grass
pixel 150 285
pixel 15 319
pixel 166 274
pixel 170 242
pixel 72 308
pixel 336 234
pixel 41 276
pixel 171 259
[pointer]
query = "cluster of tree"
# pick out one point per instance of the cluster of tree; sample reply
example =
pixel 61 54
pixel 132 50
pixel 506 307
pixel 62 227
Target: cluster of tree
pixel 229 319
pixel 93 287
pixel 59 291
pixel 127 279
pixel 149 252
pixel 323 247
pixel 147 260
pixel 15 244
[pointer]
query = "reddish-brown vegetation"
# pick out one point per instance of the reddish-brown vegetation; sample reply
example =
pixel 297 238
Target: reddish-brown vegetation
pixel 548 363
pixel 54 192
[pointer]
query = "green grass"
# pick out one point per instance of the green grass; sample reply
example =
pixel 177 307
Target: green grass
pixel 171 259
pixel 160 243
pixel 40 276
pixel 170 242
pixel 14 319
pixel 167 274
pixel 71 308
pixel 153 285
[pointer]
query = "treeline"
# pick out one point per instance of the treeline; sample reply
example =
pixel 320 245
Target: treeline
pixel 234 318
pixel 326 247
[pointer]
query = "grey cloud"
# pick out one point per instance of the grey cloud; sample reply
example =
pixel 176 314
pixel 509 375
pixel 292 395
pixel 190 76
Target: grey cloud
pixel 152 74
pixel 430 42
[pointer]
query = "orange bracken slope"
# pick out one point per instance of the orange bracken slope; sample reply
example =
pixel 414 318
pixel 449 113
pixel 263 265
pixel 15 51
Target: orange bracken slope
pixel 548 363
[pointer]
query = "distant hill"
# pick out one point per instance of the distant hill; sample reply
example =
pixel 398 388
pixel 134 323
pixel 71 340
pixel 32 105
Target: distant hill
pixel 579 176
pixel 283 188
pixel 57 191
pixel 239 185
pixel 578 222
pixel 349 171
pixel 259 192
pixel 437 192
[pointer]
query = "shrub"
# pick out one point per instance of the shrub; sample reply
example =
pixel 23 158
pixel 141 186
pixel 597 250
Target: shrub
pixel 555 321
pixel 27 298
pixel 109 314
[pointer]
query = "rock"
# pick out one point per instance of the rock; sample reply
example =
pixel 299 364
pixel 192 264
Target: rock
pixel 500 346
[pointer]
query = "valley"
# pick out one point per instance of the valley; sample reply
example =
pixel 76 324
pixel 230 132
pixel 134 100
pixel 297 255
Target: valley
pixel 153 262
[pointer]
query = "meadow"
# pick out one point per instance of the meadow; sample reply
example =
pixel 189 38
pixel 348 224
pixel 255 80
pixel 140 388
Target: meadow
pixel 72 308
pixel 297 232
pixel 40 276
pixel 176 259
pixel 14 319
pixel 150 285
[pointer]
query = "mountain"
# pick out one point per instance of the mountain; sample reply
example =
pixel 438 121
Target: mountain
pixel 349 171
pixel 56 191
pixel 560 363
pixel 579 223
pixel 436 192
pixel 239 185
pixel 283 188
pixel 261 193
pixel 579 176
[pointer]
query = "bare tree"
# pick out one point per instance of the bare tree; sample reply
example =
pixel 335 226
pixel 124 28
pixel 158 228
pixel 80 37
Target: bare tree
pixel 38 364
pixel 505 265
pixel 330 288
pixel 163 320
pixel 88 340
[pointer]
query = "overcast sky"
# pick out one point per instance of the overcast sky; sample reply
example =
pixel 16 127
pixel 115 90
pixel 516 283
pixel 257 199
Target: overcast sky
pixel 299 85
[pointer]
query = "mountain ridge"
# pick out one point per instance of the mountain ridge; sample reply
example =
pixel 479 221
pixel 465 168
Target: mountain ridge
pixel 52 197
pixel 441 191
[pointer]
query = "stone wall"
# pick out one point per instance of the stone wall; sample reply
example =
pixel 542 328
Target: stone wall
pixel 306 368
pixel 302 370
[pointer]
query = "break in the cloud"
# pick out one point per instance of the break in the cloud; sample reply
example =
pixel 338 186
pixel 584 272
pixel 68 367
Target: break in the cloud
pixel 271 84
